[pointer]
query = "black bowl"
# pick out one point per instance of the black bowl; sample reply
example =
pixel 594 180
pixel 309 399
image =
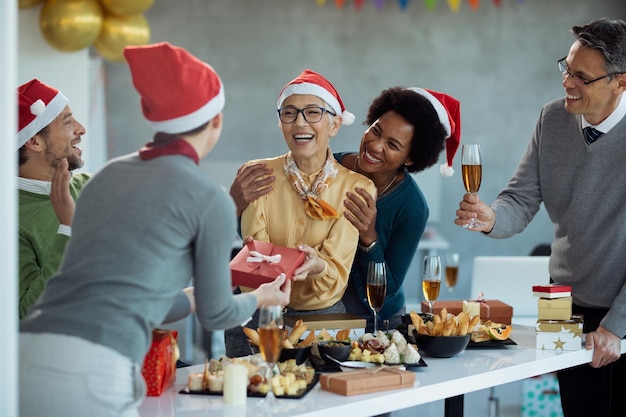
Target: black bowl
pixel 336 350
pixel 300 354
pixel 441 346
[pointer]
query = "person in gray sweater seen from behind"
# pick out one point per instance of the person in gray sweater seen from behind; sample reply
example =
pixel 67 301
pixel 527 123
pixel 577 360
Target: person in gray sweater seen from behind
pixel 581 180
pixel 143 226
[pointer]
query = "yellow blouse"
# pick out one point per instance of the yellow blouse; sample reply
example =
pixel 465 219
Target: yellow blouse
pixel 279 217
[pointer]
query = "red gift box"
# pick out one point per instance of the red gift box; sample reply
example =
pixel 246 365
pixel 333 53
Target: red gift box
pixel 552 291
pixel 159 365
pixel 257 263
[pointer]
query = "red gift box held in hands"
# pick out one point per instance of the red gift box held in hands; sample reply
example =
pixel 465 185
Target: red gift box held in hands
pixel 260 262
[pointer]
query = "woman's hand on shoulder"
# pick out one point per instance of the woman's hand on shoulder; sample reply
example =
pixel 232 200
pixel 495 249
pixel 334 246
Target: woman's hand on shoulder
pixel 361 212
pixel 251 182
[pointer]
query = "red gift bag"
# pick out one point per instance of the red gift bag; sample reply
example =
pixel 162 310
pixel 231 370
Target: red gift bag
pixel 259 262
pixel 159 365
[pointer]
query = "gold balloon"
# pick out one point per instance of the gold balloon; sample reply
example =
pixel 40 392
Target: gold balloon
pixel 24 4
pixel 119 32
pixel 124 7
pixel 70 25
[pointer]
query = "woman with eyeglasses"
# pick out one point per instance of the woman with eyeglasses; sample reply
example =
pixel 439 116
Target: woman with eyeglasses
pixel 306 208
pixel 408 128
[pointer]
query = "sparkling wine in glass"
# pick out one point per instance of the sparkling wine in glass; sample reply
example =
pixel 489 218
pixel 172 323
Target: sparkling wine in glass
pixel 431 279
pixel 271 327
pixel 376 288
pixel 452 270
pixel 472 170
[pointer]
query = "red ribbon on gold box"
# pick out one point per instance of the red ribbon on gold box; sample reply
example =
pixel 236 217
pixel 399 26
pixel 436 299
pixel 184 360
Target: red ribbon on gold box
pixel 159 365
pixel 260 262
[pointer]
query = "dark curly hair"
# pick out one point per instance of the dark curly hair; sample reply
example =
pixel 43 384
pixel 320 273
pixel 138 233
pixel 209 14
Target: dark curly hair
pixel 429 135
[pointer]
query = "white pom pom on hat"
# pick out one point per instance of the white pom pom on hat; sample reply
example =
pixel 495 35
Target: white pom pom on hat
pixel 179 92
pixel 449 111
pixel 313 83
pixel 38 105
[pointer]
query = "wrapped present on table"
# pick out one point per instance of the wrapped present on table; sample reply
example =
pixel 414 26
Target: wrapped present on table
pixel 159 365
pixel 381 378
pixel 494 310
pixel 572 325
pixel 552 291
pixel 555 308
pixel 559 334
pixel 260 262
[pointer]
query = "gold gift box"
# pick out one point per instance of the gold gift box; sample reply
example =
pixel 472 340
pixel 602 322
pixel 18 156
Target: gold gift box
pixel 555 308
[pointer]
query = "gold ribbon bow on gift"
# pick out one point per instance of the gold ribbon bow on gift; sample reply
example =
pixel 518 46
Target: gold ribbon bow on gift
pixel 259 257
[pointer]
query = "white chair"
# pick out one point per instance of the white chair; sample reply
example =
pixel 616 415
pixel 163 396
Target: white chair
pixel 510 279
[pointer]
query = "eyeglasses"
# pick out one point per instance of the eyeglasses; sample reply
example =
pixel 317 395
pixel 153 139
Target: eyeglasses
pixel 566 72
pixel 310 114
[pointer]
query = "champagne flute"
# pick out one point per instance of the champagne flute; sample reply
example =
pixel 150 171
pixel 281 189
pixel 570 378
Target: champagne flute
pixel 472 170
pixel 376 288
pixel 270 331
pixel 431 279
pixel 452 270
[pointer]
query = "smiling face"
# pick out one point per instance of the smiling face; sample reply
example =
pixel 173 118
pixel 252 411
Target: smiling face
pixel 386 145
pixel 597 100
pixel 308 142
pixel 61 140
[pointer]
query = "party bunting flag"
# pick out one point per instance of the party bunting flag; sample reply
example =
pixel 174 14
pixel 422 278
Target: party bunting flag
pixel 403 4
pixel 496 2
pixel 454 5
pixel 430 4
pixel 321 2
pixel 379 4
pixel 339 3
pixel 474 4
pixel 358 4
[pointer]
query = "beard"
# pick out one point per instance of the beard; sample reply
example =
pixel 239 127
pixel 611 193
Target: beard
pixel 73 161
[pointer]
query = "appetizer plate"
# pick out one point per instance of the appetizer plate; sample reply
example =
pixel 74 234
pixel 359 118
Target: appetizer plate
pixel 300 393
pixel 490 344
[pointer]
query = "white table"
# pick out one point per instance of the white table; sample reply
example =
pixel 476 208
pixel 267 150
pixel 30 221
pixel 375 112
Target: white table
pixel 448 379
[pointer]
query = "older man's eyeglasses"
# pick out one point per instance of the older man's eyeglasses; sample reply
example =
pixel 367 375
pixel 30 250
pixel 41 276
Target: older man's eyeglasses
pixel 565 72
pixel 310 114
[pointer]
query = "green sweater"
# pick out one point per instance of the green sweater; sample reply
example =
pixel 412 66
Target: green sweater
pixel 41 247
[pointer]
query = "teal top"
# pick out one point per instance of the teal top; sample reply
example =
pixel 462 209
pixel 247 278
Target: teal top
pixel 401 217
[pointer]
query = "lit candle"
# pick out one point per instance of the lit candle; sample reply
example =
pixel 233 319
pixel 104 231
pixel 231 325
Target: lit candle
pixel 235 384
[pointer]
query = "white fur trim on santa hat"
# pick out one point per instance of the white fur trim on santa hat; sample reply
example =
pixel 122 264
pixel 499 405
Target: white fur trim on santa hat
pixel 442 113
pixel 318 91
pixel 43 117
pixel 192 120
pixel 446 170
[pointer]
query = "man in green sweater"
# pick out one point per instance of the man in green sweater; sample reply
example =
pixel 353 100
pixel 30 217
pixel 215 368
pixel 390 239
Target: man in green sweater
pixel 48 141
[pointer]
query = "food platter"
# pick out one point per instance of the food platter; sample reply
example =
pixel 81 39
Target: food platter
pixel 490 344
pixel 301 393
pixel 322 366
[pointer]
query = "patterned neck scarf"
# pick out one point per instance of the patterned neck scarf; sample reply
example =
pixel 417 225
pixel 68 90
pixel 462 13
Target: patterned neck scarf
pixel 315 207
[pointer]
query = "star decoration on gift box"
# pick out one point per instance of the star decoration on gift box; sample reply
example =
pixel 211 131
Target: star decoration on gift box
pixel 558 344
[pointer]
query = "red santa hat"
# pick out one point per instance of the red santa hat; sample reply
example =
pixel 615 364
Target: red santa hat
pixel 449 111
pixel 178 91
pixel 310 82
pixel 38 105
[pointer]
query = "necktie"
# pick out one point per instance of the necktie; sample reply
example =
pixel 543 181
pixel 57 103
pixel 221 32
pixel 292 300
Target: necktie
pixel 591 134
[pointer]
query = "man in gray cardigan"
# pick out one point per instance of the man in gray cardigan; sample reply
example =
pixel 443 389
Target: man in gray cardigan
pixel 574 164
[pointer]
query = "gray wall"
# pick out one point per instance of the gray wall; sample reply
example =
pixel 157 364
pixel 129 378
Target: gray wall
pixel 500 62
